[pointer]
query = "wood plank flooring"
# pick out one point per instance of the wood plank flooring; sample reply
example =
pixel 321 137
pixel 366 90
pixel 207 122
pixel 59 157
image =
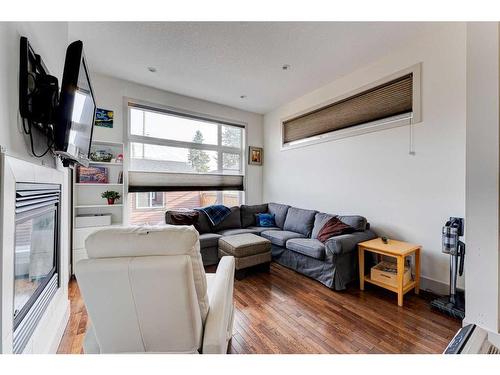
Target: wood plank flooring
pixel 285 312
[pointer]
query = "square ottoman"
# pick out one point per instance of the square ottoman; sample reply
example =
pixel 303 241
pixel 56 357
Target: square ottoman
pixel 249 250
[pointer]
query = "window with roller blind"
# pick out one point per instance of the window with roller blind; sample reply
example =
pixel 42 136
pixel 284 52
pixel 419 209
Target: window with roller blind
pixel 393 101
pixel 180 160
pixel 174 151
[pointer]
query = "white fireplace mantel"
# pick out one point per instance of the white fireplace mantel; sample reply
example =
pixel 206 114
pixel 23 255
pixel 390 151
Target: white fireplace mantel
pixel 50 328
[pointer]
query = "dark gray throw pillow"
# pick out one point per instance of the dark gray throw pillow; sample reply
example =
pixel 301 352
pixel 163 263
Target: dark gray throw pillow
pixel 248 214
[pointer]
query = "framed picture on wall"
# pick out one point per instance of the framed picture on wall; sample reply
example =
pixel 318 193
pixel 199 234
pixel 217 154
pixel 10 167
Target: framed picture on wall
pixel 255 155
pixel 104 118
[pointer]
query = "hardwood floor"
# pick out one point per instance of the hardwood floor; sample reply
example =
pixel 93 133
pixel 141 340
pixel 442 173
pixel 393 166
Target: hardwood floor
pixel 285 312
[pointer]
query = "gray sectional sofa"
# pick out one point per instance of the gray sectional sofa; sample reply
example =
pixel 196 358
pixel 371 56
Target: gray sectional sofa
pixel 294 240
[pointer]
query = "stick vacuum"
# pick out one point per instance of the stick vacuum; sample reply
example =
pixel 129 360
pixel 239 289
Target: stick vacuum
pixel 454 304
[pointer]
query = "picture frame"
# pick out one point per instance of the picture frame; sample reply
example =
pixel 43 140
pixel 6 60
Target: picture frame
pixel 104 118
pixel 92 175
pixel 255 155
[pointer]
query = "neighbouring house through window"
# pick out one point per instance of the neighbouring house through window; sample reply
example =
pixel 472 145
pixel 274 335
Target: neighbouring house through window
pixel 179 160
pixel 153 215
pixel 152 199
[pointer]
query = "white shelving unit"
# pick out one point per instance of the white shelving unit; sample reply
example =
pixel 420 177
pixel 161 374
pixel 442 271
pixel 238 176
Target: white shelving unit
pixel 87 198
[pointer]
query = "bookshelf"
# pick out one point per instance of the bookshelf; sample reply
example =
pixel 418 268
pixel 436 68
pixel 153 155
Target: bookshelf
pixel 87 197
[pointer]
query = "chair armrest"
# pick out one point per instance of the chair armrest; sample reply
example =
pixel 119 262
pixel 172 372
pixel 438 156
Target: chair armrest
pixel 90 344
pixel 346 243
pixel 219 322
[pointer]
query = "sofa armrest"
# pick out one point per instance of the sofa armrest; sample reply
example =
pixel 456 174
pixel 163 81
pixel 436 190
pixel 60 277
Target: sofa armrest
pixel 219 322
pixel 346 243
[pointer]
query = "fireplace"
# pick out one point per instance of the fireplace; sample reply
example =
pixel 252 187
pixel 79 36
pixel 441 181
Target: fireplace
pixel 36 256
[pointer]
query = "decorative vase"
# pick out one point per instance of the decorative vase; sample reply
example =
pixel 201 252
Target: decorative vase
pixel 111 200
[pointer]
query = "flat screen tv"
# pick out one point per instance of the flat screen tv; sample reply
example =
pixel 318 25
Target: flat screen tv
pixel 75 122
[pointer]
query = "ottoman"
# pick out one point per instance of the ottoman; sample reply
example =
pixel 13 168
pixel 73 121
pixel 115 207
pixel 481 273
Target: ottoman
pixel 248 250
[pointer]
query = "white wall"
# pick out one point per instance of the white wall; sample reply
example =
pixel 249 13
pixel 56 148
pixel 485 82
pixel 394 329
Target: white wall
pixel 110 93
pixel 403 196
pixel 482 199
pixel 49 39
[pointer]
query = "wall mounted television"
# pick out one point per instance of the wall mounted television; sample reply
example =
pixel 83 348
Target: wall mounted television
pixel 65 118
pixel 76 113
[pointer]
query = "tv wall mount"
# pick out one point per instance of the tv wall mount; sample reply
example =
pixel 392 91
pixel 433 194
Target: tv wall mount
pixel 38 96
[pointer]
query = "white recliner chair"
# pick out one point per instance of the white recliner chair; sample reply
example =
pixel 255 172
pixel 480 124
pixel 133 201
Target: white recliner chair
pixel 146 291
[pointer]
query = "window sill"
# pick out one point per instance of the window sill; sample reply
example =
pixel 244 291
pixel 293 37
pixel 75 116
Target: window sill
pixel 370 127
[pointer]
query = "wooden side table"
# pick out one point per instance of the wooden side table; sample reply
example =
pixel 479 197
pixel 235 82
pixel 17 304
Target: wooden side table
pixel 399 250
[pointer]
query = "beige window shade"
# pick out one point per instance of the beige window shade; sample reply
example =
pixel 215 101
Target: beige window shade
pixel 151 181
pixel 387 100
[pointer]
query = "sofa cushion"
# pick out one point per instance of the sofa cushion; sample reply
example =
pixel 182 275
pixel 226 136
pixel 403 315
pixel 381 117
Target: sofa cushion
pixel 231 232
pixel 209 240
pixel 320 220
pixel 307 246
pixel 262 229
pixel 299 220
pixel 231 221
pixel 203 224
pixel 279 211
pixel 357 222
pixel 248 214
pixel 279 237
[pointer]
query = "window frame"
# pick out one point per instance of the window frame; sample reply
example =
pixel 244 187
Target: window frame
pixel 219 122
pixel 391 122
pixel 127 101
pixel 150 199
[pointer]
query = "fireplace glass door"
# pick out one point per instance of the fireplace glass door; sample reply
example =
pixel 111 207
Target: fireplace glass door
pixel 34 256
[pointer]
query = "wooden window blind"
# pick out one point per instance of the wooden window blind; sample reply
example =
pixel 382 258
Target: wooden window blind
pixel 383 101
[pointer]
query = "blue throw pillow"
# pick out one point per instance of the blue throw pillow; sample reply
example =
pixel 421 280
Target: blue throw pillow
pixel 265 220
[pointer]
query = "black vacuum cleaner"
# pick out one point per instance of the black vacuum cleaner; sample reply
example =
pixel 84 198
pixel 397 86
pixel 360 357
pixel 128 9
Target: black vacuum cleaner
pixel 454 304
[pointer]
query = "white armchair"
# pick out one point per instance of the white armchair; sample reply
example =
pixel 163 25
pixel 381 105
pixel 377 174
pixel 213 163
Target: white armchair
pixel 146 291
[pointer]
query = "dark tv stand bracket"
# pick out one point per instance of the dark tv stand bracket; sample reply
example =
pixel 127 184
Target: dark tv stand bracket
pixel 38 97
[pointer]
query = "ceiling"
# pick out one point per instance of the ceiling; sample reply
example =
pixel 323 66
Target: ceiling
pixel 220 61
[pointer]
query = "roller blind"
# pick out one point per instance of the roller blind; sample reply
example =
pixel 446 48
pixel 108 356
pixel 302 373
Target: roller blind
pixel 384 101
pixel 171 151
pixel 161 181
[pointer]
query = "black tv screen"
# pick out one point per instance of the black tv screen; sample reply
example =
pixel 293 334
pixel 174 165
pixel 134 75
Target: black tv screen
pixel 73 132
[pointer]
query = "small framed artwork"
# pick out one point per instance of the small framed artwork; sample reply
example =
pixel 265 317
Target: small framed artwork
pixel 104 118
pixel 255 155
pixel 92 175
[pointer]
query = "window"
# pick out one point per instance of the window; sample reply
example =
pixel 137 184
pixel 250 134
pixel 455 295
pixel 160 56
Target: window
pixel 149 200
pixel 167 142
pixel 179 160
pixel 141 214
pixel 393 101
